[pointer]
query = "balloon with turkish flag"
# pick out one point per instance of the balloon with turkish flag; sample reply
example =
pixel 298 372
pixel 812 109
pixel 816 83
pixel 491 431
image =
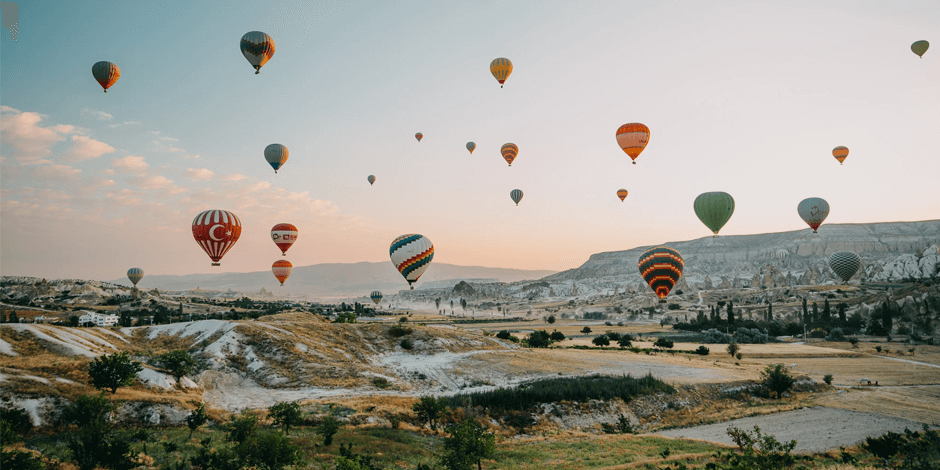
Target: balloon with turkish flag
pixel 216 232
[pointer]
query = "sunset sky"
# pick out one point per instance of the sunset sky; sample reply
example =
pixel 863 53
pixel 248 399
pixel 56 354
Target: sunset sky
pixel 743 97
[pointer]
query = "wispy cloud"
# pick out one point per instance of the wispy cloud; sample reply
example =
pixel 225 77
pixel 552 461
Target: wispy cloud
pixel 96 114
pixel 56 172
pixel 125 123
pixel 130 164
pixel 233 177
pixel 197 174
pixel 86 148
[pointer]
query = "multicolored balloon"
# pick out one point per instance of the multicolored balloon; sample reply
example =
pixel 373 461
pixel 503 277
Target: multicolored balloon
pixel 622 194
pixel 661 267
pixel 840 153
pixel 471 147
pixel 501 68
pixel 633 138
pixel 258 48
pixel 516 195
pixel 813 211
pixel 419 136
pixel 411 254
pixel 216 231
pixel 376 296
pixel 135 275
pixel 845 264
pixel 276 155
pixel 282 269
pixel 510 151
pixel 371 179
pixel 284 235
pixel 714 209
pixel 920 47
pixel 782 254
pixel 106 73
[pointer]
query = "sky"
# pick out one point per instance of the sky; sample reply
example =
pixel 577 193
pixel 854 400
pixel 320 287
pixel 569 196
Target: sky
pixel 743 97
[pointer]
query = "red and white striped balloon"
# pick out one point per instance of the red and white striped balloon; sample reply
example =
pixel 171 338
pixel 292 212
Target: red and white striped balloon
pixel 216 231
pixel 282 269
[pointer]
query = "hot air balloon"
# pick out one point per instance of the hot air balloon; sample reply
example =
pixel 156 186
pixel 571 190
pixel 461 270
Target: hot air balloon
pixel 501 68
pixel 135 275
pixel 284 235
pixel 106 73
pixel 282 269
pixel 622 194
pixel 782 254
pixel 920 47
pixel 509 151
pixel 258 48
pixel 376 296
pixel 471 147
pixel 633 138
pixel 276 155
pixel 714 209
pixel 411 254
pixel 845 264
pixel 814 211
pixel 371 179
pixel 419 136
pixel 216 231
pixel 661 268
pixel 516 195
pixel 840 153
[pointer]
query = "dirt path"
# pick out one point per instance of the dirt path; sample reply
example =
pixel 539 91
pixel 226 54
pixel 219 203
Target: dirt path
pixel 815 429
pixel 910 361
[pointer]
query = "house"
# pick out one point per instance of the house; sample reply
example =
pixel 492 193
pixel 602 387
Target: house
pixel 98 319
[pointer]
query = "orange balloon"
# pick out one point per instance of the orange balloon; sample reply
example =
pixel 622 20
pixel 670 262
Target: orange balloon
pixel 282 269
pixel 510 152
pixel 622 194
pixel 840 153
pixel 633 138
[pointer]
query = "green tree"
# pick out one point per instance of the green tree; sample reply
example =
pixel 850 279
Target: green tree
pixel 733 348
pixel 770 311
pixel 805 312
pixel 730 313
pixel 551 319
pixel 557 336
pixel 625 341
pixel 328 428
pixel 815 316
pixel 827 313
pixel 468 444
pixel 601 340
pixel 758 452
pixel 15 424
pixel 197 418
pixel 776 378
pixel 429 410
pixel 178 362
pixel 241 427
pixel 586 330
pixel 268 450
pixel 92 443
pixel 13 318
pixel 539 339
pixel 114 371
pixel 286 415
pixel 663 343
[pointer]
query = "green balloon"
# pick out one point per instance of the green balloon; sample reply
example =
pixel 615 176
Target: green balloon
pixel 714 209
pixel 920 47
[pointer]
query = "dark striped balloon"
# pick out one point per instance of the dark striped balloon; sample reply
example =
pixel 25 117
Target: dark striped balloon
pixel 661 268
pixel 845 264
pixel 376 296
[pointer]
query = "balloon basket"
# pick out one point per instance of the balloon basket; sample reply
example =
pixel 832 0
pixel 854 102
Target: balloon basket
pixel 216 264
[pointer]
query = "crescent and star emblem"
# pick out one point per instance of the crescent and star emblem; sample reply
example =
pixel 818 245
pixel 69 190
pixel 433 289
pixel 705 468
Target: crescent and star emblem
pixel 212 232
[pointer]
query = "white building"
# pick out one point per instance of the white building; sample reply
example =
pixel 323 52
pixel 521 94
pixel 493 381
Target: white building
pixel 98 319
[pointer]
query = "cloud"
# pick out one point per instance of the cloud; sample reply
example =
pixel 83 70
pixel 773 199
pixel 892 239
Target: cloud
pixel 170 139
pixel 95 114
pixel 125 197
pixel 153 182
pixel 176 149
pixel 233 177
pixel 125 123
pixel 130 164
pixel 259 186
pixel 22 133
pixel 86 148
pixel 57 172
pixel 190 157
pixel 199 173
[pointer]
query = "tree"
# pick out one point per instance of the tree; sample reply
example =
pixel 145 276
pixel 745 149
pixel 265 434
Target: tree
pixel 328 428
pixel 92 444
pixel 114 371
pixel 601 340
pixel 197 418
pixel 770 311
pixel 815 316
pixel 15 424
pixel 178 362
pixel 126 319
pixel 469 443
pixel 841 309
pixel 805 312
pixel 557 336
pixel 887 318
pixel 625 341
pixel 827 314
pixel 539 339
pixel 13 318
pixel 730 313
pixel 241 427
pixel 777 379
pixel 286 414
pixel 429 410
pixel 586 330
pixel 551 319
pixel 663 343
pixel 733 348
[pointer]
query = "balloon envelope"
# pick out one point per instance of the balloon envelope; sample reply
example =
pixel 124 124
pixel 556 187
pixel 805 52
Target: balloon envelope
pixel 840 153
pixel 258 48
pixel 813 211
pixel 920 47
pixel 284 235
pixel 371 179
pixel 633 138
pixel 106 74
pixel 135 275
pixel 411 254
pixel 661 268
pixel 510 151
pixel 282 269
pixel 216 232
pixel 516 195
pixel 845 264
pixel 376 296
pixel 501 68
pixel 622 194
pixel 714 209
pixel 471 147
pixel 782 254
pixel 419 136
pixel 276 155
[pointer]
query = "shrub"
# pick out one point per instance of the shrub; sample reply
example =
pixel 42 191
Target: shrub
pixel 15 424
pixel 776 378
pixel 733 349
pixel 817 333
pixel 607 323
pixel 749 336
pixel 197 418
pixel 468 444
pixel 702 351
pixel 674 307
pixel 613 336
pixel 625 341
pixel 601 340
pixel 406 344
pixel 714 336
pixel 114 371
pixel 836 335
pixel 328 428
pixel 551 319
pixel 878 348
pixel 503 334
pixel 268 450
pixel 21 460
pixel 738 356
pixel 619 323
pixel 429 410
pixel 757 452
pixel 539 339
pixel 288 414
pixel 915 450
pixel 586 330
pixel 663 343
pixel 828 379
pixel 853 342
pixel 557 336
pixel 402 319
pixel 399 330
pixel 178 362
pixel 904 329
pixel 348 460
pixel 241 427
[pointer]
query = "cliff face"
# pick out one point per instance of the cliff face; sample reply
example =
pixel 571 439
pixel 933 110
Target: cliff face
pixel 746 255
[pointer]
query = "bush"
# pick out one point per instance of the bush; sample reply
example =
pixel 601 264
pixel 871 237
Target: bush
pixel 836 335
pixel 551 319
pixel 241 427
pixel 348 460
pixel 178 362
pixel 915 450
pixel 828 379
pixel 625 341
pixel 15 425
pixel 702 351
pixel 586 330
pixel 406 344
pixel 776 378
pixel 539 339
pixel 673 307
pixel 268 450
pixel 328 428
pixel 197 418
pixel 607 323
pixel 904 330
pixel 20 460
pixel 557 336
pixel 399 330
pixel 733 349
pixel 663 343
pixel 817 333
pixel 288 414
pixel 601 340
pixel 878 348
pixel 613 336
pixel 714 336
pixel 429 410
pixel 757 452
pixel 503 334
pixel 749 336
pixel 738 356
pixel 468 444
pixel 114 371
pixel 853 342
